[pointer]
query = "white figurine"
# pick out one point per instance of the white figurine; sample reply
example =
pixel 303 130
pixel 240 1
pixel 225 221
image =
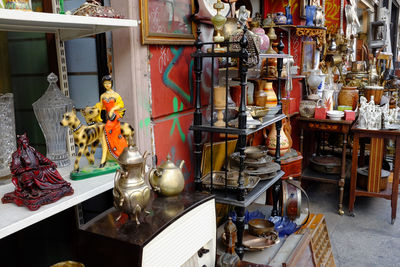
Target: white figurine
pixel 351 18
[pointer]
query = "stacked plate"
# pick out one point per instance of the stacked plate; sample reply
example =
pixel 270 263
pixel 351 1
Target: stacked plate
pixel 256 163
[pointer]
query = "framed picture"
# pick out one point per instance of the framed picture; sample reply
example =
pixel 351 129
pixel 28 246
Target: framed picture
pixel 219 156
pixel 167 22
pixel 307 56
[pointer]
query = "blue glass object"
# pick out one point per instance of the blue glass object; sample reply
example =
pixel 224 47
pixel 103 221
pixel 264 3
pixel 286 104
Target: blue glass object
pixel 289 18
pixel 283 225
pixel 310 13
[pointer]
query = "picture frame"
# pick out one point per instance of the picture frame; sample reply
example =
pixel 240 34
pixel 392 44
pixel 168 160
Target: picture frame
pixel 218 153
pixel 167 22
pixel 307 56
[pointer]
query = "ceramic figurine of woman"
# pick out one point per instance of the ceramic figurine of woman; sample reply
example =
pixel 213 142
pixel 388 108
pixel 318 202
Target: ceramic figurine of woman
pixel 112 103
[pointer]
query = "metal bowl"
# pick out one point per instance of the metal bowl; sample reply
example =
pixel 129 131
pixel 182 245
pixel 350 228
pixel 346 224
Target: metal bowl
pixel 255 152
pixel 258 112
pixel 260 227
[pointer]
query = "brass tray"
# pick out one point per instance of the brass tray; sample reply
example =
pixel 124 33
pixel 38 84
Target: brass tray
pixel 256 243
pixel 219 180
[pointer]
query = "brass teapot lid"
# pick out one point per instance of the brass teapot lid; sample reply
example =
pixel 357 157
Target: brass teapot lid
pixel 130 155
pixel 168 164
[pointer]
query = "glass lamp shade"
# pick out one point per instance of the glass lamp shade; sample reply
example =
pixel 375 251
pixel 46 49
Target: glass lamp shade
pixel 7 126
pixel 49 109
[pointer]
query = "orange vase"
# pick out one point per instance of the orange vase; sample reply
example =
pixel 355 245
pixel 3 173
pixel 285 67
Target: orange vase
pixel 272 100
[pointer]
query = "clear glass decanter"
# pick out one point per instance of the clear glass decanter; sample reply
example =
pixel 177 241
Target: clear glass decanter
pixel 49 109
pixel 7 126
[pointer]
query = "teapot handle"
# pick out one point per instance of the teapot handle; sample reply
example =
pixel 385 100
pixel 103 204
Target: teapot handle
pixel 152 180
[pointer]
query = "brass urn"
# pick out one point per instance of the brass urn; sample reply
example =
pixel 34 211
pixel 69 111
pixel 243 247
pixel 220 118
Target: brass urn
pixel 131 193
pixel 167 179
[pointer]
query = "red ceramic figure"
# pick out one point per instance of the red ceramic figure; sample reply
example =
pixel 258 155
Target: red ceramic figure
pixel 36 179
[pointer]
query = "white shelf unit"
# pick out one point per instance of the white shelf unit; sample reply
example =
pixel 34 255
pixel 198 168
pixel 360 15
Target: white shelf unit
pixel 14 218
pixel 65 27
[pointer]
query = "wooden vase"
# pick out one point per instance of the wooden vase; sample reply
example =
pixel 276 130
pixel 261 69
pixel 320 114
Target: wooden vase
pixel 348 96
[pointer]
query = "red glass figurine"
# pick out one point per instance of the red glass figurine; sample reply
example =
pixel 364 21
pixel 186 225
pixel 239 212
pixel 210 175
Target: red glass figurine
pixel 36 179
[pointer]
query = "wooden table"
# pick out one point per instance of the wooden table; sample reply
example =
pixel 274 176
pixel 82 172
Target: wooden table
pixel 377 150
pixel 325 125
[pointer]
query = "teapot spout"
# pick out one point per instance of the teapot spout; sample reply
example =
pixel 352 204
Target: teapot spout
pixel 181 164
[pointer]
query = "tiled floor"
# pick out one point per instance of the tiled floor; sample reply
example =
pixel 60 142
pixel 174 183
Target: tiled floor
pixel 368 239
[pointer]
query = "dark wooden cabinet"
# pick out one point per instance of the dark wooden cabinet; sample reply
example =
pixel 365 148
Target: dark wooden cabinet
pixel 170 235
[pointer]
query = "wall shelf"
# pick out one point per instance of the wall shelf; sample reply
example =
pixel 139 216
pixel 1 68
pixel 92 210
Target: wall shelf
pixel 68 26
pixel 14 218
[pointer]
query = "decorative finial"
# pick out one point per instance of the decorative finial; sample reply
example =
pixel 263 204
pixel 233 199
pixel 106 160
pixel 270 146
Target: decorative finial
pixel 52 78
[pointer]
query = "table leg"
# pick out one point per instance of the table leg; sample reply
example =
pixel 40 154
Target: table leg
pixel 353 181
pixel 396 173
pixel 342 175
pixel 240 211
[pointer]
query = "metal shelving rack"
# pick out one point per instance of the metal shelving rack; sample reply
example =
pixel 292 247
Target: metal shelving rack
pixel 237 196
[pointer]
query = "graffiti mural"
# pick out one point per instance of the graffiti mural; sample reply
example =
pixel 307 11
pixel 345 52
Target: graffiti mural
pixel 173 137
pixel 332 15
pixel 171 76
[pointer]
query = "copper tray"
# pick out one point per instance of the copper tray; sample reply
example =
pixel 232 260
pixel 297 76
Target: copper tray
pixel 256 243
pixel 326 164
pixel 219 180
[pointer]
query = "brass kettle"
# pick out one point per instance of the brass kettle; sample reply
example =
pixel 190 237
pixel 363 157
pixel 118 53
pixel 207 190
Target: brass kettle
pixel 131 193
pixel 167 179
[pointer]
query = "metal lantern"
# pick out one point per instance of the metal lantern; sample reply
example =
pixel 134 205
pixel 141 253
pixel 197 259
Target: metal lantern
pixel 49 109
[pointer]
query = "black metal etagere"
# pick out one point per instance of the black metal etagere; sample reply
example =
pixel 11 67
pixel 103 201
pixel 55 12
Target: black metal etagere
pixel 238 196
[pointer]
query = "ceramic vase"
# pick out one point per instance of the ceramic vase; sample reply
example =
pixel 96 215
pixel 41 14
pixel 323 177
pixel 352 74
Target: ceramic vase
pixel 310 12
pixel 271 100
pixel 264 44
pixel 327 98
pixel 271 141
pixel 49 109
pixel 348 96
pixel 289 18
pixel 280 19
pixel 307 108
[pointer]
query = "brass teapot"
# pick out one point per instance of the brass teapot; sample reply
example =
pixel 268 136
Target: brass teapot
pixel 131 193
pixel 167 179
